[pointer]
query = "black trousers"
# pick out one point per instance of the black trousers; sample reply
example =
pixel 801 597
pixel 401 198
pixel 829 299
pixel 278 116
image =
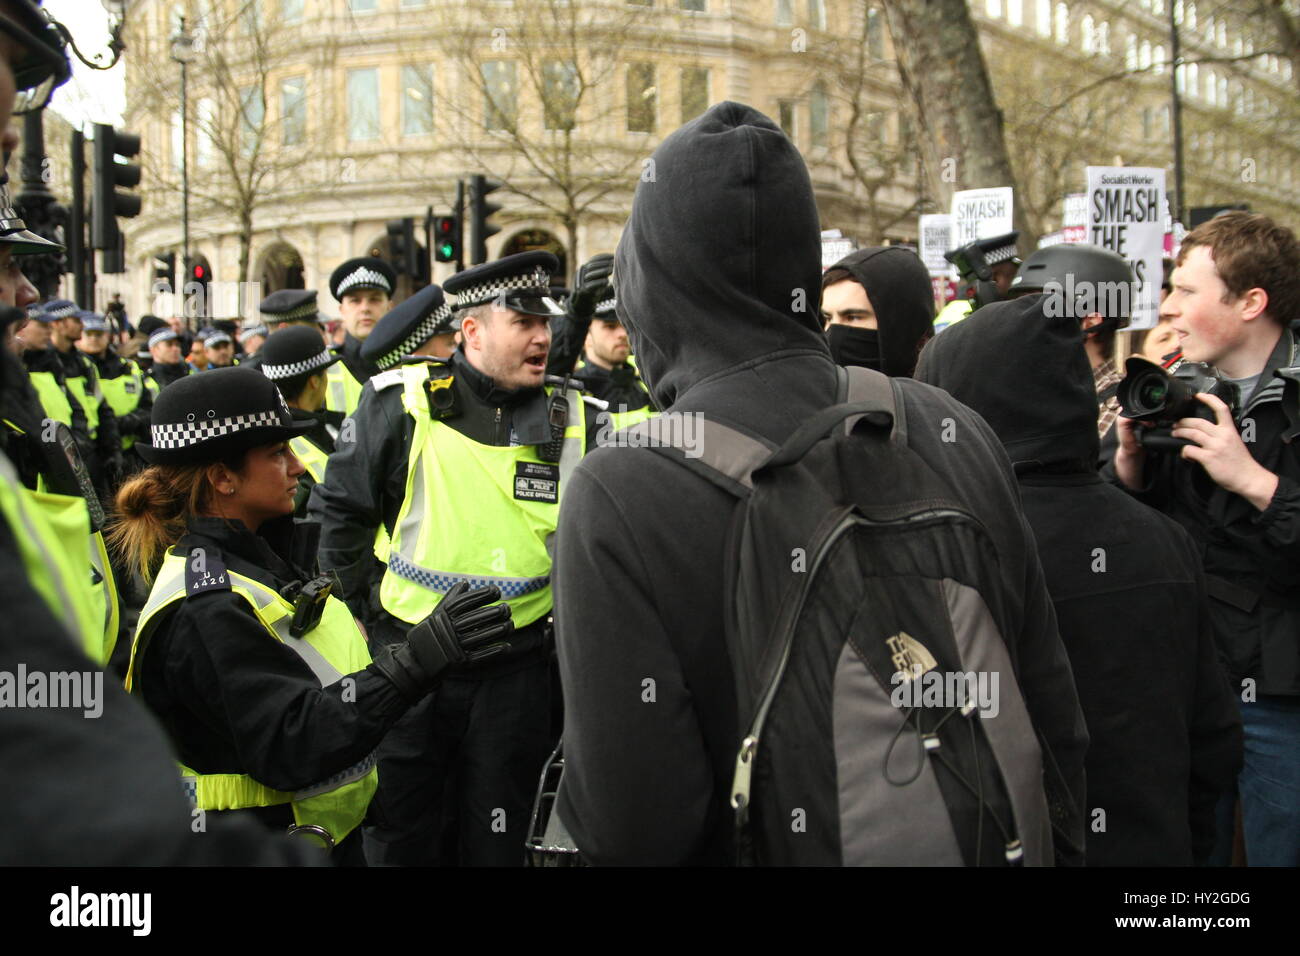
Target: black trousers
pixel 457 774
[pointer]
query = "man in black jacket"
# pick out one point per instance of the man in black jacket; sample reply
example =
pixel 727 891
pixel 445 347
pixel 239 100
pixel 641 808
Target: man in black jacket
pixel 1164 734
pixel 1236 488
pixel 717 275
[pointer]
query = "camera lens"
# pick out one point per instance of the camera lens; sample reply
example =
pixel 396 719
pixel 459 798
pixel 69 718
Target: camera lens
pixel 1152 392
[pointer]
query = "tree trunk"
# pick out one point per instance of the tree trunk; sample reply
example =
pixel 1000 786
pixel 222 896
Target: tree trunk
pixel 943 69
pixel 245 247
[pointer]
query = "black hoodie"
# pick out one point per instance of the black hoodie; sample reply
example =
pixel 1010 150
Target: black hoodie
pixel 1126 583
pixel 898 285
pixel 717 278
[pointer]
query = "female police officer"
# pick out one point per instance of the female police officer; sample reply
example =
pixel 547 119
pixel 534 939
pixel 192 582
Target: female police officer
pixel 262 679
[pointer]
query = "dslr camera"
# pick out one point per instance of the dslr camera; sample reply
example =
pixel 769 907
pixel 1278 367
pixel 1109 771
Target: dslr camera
pixel 1158 398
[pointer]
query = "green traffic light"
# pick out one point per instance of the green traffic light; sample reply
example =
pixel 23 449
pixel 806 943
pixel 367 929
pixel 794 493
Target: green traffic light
pixel 445 250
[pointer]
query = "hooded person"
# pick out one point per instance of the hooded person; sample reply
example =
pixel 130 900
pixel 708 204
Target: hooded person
pixel 878 304
pixel 715 274
pixel 1165 736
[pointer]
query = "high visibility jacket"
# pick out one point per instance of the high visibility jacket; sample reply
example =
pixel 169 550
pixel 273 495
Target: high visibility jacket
pixel 952 313
pixel 85 389
pixel 342 390
pixel 53 398
pixel 124 393
pixel 332 649
pixel 475 512
pixel 619 419
pixel 313 457
pixel 54 558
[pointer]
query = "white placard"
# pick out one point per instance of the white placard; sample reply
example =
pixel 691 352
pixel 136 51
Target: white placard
pixel 833 250
pixel 936 239
pixel 1126 206
pixel 979 214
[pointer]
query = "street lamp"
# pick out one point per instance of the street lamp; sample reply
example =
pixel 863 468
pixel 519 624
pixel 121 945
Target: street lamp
pixel 184 53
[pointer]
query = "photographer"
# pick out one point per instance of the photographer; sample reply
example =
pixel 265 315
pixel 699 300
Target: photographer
pixel 1236 488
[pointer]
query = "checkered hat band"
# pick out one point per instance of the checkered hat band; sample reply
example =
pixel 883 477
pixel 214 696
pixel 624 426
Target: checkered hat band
pixel 995 256
pixel 537 281
pixel 301 312
pixel 186 434
pixel 298 368
pixel 364 276
pixel 66 312
pixel 606 306
pixel 444 581
pixel 162 335
pixel 430 326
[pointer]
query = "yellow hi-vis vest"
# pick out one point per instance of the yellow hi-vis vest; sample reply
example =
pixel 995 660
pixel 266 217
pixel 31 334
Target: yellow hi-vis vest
pixel 481 513
pixel 313 457
pixel 622 419
pixel 85 389
pixel 952 313
pixel 332 649
pixel 54 563
pixel 124 394
pixel 53 398
pixel 342 390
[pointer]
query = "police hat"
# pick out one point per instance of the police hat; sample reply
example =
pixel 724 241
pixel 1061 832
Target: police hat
pixel 407 326
pixel 289 305
pixel 365 272
pixel 165 334
pixel 216 337
pixel 57 309
pixel 521 282
pixel 14 232
pixel 216 416
pixel 296 350
pixel 92 322
pixel 149 324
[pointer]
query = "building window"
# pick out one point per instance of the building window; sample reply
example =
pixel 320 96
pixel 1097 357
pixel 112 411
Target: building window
pixel 817 14
pixel 362 6
pixel 785 112
pixel 252 115
pixel 1144 58
pixel 1147 131
pixel 559 94
pixel 293 110
pixel 1043 18
pixel 206 115
pixel 784 13
pixel 695 92
pixel 415 3
pixel 697 5
pixel 818 115
pixel 1015 12
pixel 641 98
pixel 363 104
pixel 1103 38
pixel 1062 23
pixel 993 8
pixel 291 11
pixel 1159 61
pixel 499 99
pixel 875 33
pixel 1087 40
pixel 417 100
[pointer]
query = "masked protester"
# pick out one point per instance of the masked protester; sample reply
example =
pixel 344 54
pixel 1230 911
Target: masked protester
pixel 878 306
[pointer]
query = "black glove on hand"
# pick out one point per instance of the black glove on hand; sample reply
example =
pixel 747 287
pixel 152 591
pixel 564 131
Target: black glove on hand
pixel 593 285
pixel 460 630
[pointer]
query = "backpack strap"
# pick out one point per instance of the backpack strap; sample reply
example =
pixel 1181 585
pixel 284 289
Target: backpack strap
pixel 871 396
pixel 723 455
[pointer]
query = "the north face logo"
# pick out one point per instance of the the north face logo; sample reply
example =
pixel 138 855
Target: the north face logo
pixel 909 656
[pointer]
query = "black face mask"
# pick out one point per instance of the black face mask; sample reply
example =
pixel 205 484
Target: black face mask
pixel 854 346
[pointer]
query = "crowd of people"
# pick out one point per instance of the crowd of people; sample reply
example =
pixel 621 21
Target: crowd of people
pixel 693 530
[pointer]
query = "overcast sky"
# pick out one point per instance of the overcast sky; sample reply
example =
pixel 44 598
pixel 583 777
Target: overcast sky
pixel 91 96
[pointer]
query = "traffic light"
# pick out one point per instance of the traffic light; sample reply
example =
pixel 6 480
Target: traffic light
pixel 164 269
pixel 446 238
pixel 402 251
pixel 479 212
pixel 108 203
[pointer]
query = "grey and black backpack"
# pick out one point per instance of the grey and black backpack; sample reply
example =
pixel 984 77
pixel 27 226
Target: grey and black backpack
pixel 866 628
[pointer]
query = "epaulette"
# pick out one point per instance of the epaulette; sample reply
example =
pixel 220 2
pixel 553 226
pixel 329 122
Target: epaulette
pixel 595 402
pixel 387 379
pixel 205 571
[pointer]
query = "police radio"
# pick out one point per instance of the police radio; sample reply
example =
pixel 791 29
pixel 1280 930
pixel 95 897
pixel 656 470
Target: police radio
pixel 557 417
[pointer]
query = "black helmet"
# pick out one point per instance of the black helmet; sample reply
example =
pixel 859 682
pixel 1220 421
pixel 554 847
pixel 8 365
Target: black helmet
pixel 43 62
pixel 1088 278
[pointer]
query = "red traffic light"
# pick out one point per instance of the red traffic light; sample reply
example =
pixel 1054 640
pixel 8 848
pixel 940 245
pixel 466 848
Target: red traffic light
pixel 200 272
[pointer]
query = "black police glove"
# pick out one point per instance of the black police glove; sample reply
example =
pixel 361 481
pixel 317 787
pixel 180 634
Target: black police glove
pixel 461 630
pixel 593 285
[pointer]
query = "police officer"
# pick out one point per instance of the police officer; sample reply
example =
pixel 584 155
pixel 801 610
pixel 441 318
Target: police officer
pixel 297 361
pixel 420 326
pixel 364 290
pixel 219 349
pixel 122 382
pixel 82 382
pixel 486 450
pixel 290 307
pixel 168 365
pixel 985 268
pixel 605 372
pixel 260 676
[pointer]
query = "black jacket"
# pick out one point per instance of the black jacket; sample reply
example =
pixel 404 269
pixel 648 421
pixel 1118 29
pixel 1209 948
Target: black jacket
pixel 165 374
pixel 1164 731
pixel 322 438
pixel 235 700
pixel 1251 558
pixel 365 482
pixel 102 791
pixel 108 443
pixel 714 319
pixel 49 360
pixel 362 369
pixel 620 386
